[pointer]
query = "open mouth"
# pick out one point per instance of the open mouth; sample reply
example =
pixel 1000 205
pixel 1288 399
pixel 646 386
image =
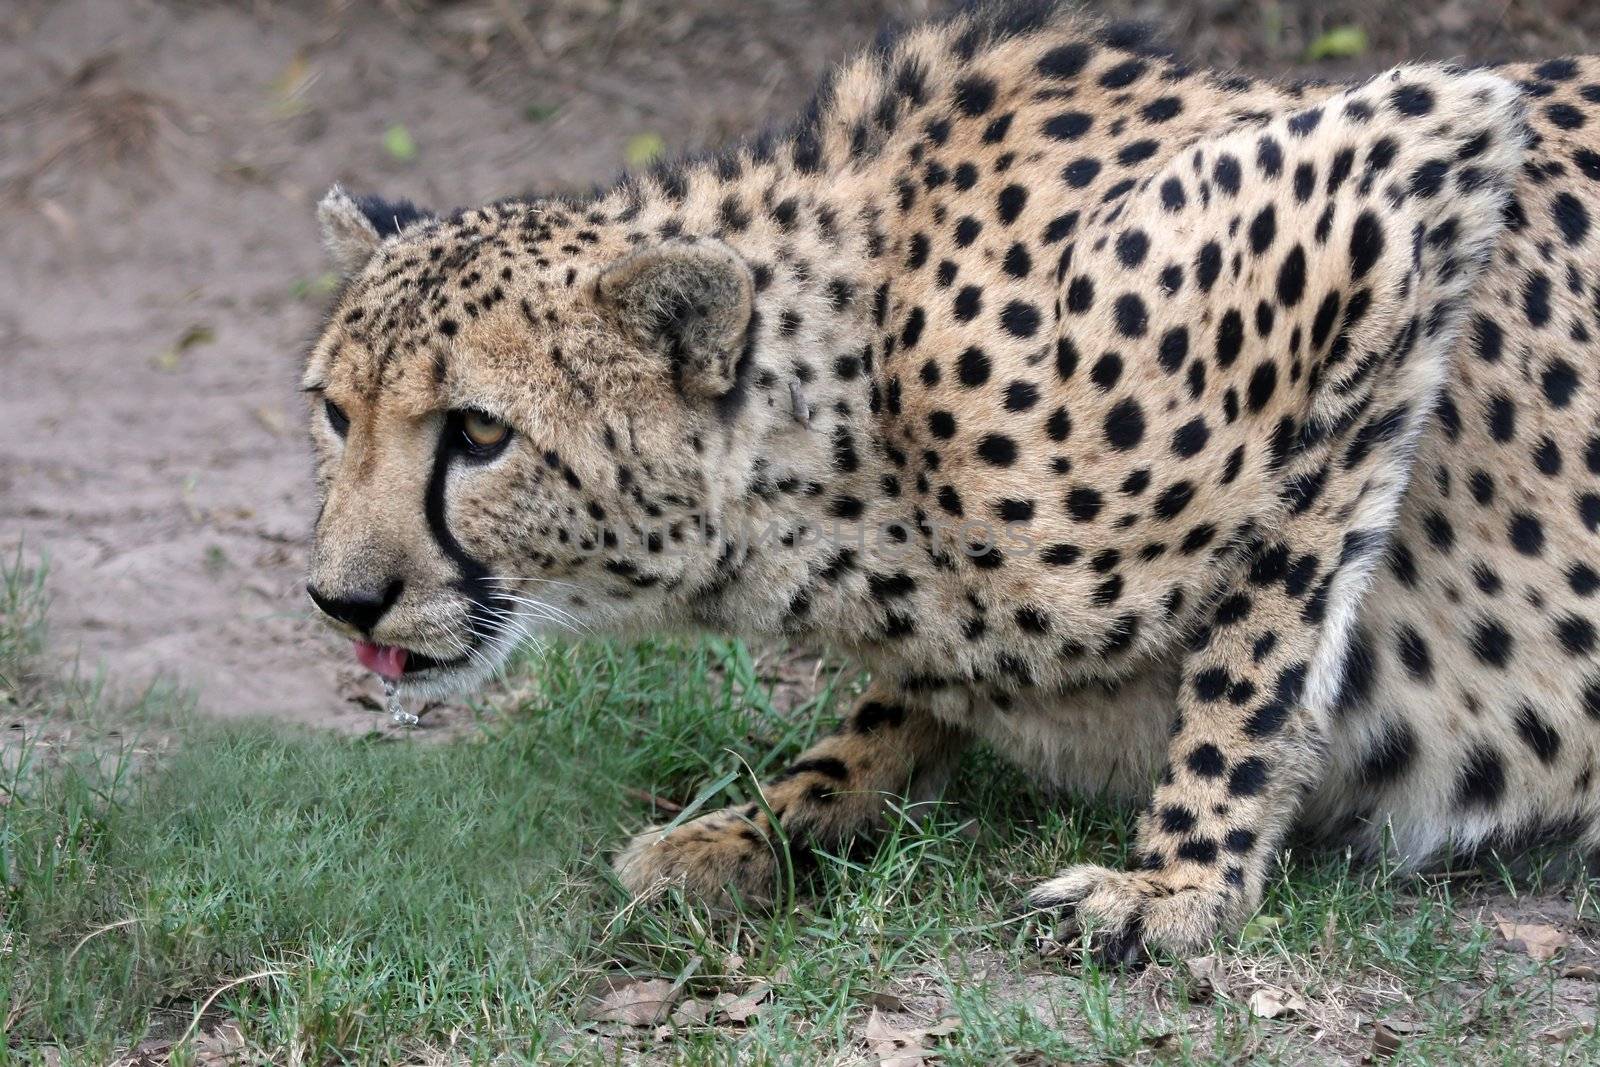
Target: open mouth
pixel 394 663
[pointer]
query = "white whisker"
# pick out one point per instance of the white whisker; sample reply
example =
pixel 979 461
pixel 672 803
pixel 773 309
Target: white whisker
pixel 535 609
pixel 551 611
pixel 538 610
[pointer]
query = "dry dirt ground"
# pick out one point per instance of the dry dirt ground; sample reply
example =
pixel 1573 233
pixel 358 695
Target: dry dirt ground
pixel 159 162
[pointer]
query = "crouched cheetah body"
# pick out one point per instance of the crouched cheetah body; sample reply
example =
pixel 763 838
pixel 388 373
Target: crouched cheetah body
pixel 1225 445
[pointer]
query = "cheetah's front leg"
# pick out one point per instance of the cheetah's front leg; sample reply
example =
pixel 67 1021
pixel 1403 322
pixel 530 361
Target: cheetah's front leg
pixel 1245 743
pixel 888 748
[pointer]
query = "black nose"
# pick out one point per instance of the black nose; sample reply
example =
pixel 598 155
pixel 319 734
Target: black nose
pixel 362 610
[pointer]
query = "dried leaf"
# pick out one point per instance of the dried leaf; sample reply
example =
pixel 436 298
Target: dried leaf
pixel 221 1047
pixel 1540 942
pixel 636 1003
pixel 690 1012
pixel 153 1053
pixel 1387 1037
pixel 1270 1003
pixel 887 1001
pixel 1208 978
pixel 1560 1035
pixel 1583 972
pixel 881 1029
pixel 741 1008
pixel 1399 1026
pixel 894 1046
pixel 905 1046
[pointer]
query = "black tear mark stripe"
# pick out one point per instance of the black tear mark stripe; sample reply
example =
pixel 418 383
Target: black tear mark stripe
pixel 473 584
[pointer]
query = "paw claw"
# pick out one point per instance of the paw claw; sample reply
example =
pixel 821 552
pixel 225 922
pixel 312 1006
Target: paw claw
pixel 1122 950
pixel 1129 915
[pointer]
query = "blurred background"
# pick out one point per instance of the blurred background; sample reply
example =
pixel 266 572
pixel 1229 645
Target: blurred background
pixel 159 164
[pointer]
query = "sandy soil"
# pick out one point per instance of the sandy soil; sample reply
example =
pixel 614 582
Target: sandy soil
pixel 162 276
pixel 159 161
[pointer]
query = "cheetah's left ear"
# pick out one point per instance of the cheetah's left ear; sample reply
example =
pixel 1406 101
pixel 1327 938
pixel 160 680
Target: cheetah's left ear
pixel 692 302
pixel 354 227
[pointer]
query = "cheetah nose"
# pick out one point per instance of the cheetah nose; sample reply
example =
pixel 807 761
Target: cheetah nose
pixel 361 610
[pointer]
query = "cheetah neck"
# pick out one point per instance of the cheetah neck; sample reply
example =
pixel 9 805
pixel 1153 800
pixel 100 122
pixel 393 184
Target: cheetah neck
pixel 804 484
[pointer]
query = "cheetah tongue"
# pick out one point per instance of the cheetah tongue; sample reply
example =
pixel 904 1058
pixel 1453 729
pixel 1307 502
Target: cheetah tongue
pixel 384 660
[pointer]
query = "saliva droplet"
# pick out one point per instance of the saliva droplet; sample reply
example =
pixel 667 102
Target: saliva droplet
pixel 397 711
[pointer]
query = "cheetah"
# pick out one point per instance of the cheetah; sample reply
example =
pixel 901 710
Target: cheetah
pixel 1226 446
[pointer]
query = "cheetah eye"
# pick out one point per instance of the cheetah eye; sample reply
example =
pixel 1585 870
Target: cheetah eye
pixel 336 417
pixel 481 435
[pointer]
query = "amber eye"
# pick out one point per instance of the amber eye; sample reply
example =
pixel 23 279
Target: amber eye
pixel 481 434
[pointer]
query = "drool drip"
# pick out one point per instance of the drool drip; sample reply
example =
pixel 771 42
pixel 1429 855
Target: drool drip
pixel 398 715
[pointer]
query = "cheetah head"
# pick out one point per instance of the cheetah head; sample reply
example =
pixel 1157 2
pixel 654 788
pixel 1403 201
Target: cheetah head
pixel 519 419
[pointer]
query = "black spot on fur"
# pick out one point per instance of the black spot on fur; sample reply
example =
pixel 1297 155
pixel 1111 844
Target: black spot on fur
pixel 1482 781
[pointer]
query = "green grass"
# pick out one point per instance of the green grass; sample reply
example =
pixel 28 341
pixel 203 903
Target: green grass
pixel 373 899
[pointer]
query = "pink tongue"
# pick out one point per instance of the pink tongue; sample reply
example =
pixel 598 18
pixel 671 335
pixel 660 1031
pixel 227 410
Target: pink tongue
pixel 385 660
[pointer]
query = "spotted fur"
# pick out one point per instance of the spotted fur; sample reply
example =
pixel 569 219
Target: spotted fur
pixel 1226 445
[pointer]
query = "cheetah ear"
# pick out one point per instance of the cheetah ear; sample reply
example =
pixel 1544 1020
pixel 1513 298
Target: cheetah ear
pixel 354 227
pixel 694 303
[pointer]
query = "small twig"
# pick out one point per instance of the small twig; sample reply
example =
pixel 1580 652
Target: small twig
pixel 223 988
pixel 661 803
pixel 92 934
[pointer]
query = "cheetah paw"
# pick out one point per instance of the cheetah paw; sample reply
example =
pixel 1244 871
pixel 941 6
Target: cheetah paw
pixel 1128 915
pixel 721 859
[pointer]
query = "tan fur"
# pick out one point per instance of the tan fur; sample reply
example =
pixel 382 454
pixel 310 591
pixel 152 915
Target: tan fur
pixel 909 380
